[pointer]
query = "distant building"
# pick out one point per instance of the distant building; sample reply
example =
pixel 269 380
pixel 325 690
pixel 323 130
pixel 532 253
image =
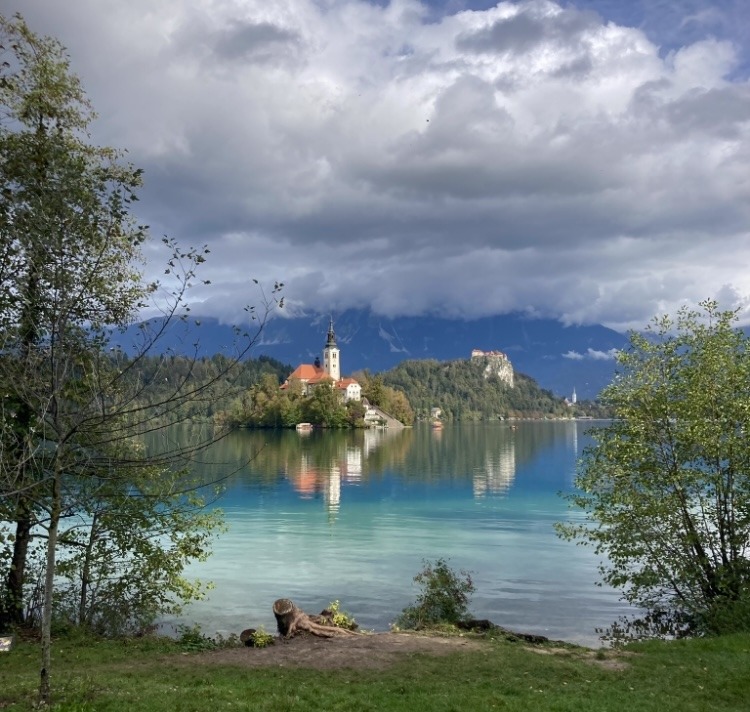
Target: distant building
pixel 313 374
pixel 478 353
pixel 349 389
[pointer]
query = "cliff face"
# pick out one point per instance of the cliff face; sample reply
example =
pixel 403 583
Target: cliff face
pixel 496 364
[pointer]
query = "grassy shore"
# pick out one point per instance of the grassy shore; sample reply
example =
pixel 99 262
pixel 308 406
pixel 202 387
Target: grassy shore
pixel 158 675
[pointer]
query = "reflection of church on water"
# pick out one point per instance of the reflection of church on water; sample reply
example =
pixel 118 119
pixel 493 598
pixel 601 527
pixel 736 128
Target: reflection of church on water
pixel 313 479
pixel 498 472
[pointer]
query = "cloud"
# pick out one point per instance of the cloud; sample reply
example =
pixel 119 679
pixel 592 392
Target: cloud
pixel 585 161
pixel 533 25
pixel 593 355
pixel 252 41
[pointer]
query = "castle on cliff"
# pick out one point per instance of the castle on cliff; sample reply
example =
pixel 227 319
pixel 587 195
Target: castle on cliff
pixel 496 364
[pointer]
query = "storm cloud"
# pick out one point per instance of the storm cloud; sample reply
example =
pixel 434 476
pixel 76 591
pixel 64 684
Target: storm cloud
pixel 562 159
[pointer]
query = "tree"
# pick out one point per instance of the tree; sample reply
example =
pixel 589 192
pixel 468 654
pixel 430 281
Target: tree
pixel 56 191
pixel 373 389
pixel 123 565
pixel 72 416
pixel 444 597
pixel 392 401
pixel 324 407
pixel 666 485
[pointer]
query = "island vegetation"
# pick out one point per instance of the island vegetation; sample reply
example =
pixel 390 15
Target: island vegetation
pixel 266 405
pixel 247 394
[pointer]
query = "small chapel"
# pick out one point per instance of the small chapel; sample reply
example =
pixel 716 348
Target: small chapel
pixel 313 374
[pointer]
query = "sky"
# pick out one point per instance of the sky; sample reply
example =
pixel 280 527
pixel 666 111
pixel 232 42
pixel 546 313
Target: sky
pixel 585 161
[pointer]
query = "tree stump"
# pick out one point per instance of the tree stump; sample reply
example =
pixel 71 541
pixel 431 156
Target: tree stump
pixel 246 637
pixel 285 613
pixel 290 620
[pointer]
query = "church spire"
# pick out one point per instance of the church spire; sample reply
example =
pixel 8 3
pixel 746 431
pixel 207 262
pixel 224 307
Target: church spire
pixel 331 361
pixel 331 342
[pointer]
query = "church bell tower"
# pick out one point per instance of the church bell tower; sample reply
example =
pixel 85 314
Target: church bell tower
pixel 331 361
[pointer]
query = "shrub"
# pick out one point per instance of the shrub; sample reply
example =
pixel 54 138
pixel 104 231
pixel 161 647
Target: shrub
pixel 191 638
pixel 339 618
pixel 444 597
pixel 261 639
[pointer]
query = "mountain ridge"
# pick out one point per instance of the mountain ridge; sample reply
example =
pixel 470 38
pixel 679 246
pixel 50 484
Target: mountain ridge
pixel 560 358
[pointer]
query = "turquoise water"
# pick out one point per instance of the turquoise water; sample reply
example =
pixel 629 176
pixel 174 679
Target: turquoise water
pixel 351 516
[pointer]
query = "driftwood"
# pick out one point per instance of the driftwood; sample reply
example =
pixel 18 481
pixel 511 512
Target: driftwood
pixel 290 620
pixel 483 625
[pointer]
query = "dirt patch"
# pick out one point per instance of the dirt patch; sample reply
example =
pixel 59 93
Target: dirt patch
pixel 373 651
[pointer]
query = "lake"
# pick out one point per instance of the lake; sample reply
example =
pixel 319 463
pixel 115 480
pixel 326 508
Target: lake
pixel 351 516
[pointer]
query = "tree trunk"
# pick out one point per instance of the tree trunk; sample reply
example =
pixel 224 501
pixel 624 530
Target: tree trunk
pixel 29 337
pixel 49 582
pixel 83 599
pixel 13 611
pixel 290 620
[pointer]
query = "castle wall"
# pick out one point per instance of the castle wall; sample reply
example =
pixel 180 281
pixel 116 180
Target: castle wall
pixel 496 364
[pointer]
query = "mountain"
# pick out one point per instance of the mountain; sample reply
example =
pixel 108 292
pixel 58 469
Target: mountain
pixel 560 358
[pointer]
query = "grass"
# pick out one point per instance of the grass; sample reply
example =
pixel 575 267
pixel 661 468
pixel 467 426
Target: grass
pixel 155 675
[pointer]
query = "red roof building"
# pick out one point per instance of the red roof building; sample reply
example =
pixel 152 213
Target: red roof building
pixel 313 374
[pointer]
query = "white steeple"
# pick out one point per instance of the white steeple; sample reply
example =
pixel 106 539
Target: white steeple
pixel 331 361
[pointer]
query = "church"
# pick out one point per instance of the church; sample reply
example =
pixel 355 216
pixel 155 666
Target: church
pixel 313 374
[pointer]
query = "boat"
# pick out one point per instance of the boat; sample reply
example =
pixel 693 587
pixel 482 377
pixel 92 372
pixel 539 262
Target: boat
pixel 304 427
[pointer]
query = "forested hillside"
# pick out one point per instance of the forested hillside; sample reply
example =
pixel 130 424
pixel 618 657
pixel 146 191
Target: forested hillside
pixel 152 379
pixel 461 391
pixel 248 394
pixel 459 388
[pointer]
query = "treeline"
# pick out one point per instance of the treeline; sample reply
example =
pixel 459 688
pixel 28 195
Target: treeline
pixel 461 391
pixel 153 379
pixel 249 395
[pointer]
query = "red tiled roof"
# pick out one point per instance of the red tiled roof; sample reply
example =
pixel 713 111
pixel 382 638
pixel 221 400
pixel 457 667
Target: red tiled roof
pixel 319 379
pixel 307 372
pixel 346 382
